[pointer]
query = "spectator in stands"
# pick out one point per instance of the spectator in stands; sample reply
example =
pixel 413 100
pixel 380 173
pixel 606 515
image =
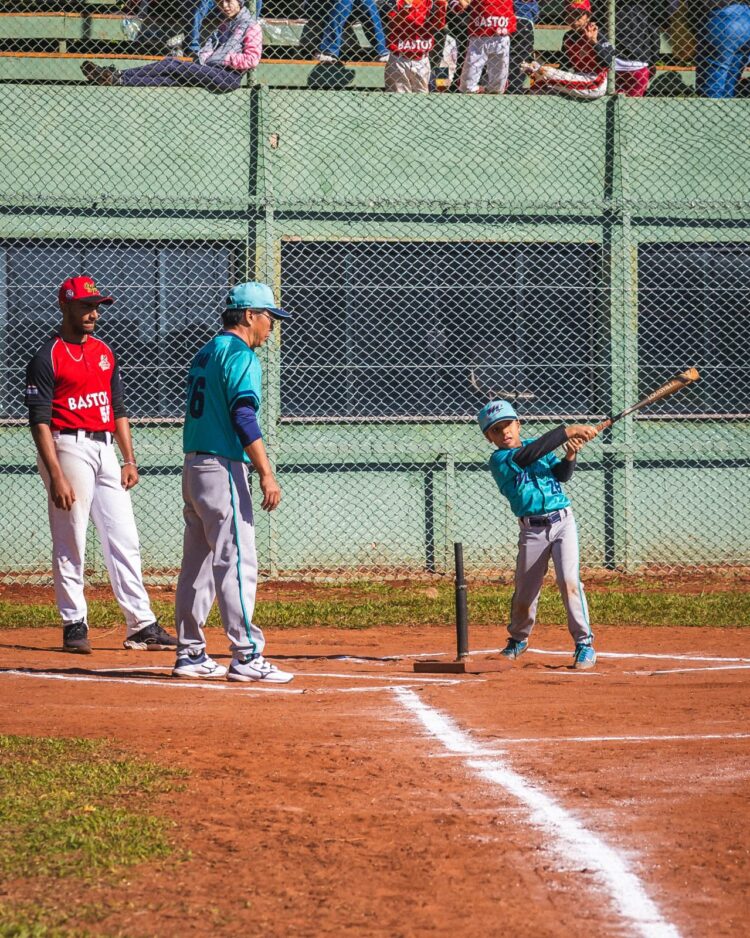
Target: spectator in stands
pixel 522 43
pixel 722 45
pixel 586 56
pixel 411 26
pixel 333 31
pixel 197 18
pixel 639 27
pixel 234 49
pixel 491 24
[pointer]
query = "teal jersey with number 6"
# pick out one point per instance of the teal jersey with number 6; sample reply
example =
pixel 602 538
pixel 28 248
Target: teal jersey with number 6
pixel 223 372
pixel 530 491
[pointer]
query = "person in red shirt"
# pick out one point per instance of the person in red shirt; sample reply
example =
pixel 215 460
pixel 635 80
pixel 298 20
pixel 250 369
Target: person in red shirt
pixel 491 24
pixel 76 411
pixel 410 27
pixel 586 56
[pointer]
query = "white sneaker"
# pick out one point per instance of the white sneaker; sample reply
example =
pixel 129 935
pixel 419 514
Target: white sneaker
pixel 198 667
pixel 247 668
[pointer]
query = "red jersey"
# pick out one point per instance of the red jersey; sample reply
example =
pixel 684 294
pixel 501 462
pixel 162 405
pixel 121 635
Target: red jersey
pixel 74 386
pixel 491 18
pixel 410 28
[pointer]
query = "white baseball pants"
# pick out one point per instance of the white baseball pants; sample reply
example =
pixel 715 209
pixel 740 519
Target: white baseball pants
pixel 492 52
pixel 550 80
pixel 93 471
pixel 407 75
pixel 535 547
pixel 218 554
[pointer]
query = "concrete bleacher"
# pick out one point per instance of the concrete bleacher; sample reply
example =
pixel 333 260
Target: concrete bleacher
pixel 49 46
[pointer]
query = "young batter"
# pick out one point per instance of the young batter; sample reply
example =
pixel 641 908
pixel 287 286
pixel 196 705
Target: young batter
pixel 530 475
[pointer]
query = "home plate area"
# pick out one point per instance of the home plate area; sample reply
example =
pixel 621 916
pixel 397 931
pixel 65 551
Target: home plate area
pixel 366 798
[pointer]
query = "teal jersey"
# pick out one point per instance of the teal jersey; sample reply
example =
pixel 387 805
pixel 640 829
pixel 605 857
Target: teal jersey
pixel 530 491
pixel 222 373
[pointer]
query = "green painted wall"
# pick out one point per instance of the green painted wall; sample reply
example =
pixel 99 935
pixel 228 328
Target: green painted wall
pixel 264 165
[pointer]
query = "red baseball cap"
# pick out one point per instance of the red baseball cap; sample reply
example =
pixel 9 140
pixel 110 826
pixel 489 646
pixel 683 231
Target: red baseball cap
pixel 82 288
pixel 580 6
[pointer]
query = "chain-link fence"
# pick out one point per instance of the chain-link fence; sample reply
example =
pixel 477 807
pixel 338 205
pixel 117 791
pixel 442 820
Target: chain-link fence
pixel 559 245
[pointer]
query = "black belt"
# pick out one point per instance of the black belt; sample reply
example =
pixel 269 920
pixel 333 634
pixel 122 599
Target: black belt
pixel 101 436
pixel 543 521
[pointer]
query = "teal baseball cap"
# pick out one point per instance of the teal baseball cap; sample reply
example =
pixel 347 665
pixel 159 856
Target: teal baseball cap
pixel 255 295
pixel 494 412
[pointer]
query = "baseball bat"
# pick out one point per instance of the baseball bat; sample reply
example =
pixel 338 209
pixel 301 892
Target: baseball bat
pixel 681 380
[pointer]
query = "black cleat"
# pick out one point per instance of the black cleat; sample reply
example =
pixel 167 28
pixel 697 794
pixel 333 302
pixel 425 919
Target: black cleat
pixel 76 638
pixel 151 637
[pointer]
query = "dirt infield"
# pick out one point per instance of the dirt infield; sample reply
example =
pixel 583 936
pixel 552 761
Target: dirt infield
pixel 363 799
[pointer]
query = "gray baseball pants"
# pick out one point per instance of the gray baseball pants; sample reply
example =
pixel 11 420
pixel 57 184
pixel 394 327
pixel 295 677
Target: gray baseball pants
pixel 536 545
pixel 218 554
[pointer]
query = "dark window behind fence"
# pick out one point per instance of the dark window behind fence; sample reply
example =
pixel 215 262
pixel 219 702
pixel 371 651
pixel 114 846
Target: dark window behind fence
pixel 168 297
pixel 693 309
pixel 395 329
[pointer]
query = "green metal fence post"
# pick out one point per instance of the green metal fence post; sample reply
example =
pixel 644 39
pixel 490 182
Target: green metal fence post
pixel 624 358
pixel 266 267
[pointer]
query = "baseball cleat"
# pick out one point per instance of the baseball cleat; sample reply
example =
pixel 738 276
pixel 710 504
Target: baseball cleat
pixel 514 649
pixel 256 668
pixel 198 667
pixel 584 657
pixel 76 638
pixel 151 637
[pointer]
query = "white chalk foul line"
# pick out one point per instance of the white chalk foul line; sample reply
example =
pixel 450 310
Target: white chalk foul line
pixel 338 675
pixel 220 685
pixel 573 840
pixel 600 654
pixel 503 744
pixel 720 667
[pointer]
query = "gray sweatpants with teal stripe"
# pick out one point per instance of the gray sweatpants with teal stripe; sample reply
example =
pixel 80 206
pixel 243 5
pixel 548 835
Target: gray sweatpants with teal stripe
pixel 218 554
pixel 535 547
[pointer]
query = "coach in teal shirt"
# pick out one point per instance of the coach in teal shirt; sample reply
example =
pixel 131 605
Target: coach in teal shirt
pixel 224 378
pixel 220 438
pixel 224 381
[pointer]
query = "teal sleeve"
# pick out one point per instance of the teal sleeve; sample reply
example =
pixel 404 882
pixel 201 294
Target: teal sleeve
pixel 502 466
pixel 552 459
pixel 242 377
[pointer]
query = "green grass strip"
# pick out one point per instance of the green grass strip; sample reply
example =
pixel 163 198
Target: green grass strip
pixel 69 807
pixel 371 605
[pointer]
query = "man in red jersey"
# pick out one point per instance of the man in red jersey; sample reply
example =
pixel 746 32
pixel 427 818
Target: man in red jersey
pixel 410 27
pixel 491 24
pixel 76 411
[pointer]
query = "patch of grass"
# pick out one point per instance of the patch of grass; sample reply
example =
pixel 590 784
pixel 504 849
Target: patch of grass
pixel 363 606
pixel 67 808
pixel 36 920
pixel 34 923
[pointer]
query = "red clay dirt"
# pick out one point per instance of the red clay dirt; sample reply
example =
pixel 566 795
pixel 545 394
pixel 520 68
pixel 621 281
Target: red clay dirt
pixel 333 811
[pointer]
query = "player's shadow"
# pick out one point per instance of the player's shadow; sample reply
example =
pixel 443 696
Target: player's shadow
pixel 13 647
pixel 89 672
pixel 47 649
pixel 540 666
pixel 386 659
